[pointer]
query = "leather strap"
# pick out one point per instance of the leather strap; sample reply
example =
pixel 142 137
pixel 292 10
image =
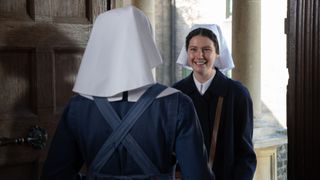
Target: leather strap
pixel 215 131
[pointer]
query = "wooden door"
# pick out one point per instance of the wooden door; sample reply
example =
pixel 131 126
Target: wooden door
pixel 41 45
pixel 303 99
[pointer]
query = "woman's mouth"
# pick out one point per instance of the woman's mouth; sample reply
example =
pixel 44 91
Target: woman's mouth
pixel 200 62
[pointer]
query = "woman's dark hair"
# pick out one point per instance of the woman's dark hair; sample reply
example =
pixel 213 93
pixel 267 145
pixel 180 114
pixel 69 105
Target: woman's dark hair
pixel 203 32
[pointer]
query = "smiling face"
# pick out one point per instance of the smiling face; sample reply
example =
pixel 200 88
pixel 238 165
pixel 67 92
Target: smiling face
pixel 201 56
pixel 202 49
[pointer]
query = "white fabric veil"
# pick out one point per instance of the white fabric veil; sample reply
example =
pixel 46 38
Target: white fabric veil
pixel 120 54
pixel 224 61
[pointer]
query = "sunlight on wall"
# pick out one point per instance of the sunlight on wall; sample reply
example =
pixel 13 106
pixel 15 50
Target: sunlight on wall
pixel 212 11
pixel 274 74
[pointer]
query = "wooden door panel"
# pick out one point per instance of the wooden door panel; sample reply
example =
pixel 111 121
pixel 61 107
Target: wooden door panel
pixel 65 11
pixel 41 46
pixel 17 67
pixel 66 64
pixel 303 98
pixel 15 10
pixel 25 171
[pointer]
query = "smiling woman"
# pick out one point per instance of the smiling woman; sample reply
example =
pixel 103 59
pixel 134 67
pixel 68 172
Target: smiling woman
pixel 219 99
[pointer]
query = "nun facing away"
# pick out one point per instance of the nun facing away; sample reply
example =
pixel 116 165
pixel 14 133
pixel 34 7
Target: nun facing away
pixel 121 124
pixel 224 106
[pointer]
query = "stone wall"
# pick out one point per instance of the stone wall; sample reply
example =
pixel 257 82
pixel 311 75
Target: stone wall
pixel 172 21
pixel 282 161
pixel 164 35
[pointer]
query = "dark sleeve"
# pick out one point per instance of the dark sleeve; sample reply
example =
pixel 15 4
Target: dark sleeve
pixel 64 159
pixel 245 158
pixel 190 148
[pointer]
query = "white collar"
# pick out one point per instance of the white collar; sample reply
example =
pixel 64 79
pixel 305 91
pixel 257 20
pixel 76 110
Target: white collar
pixel 134 95
pixel 202 87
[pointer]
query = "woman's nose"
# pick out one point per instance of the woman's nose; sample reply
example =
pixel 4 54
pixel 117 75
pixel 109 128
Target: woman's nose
pixel 199 54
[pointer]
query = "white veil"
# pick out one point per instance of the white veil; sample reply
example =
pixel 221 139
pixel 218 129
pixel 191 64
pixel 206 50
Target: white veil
pixel 224 61
pixel 120 54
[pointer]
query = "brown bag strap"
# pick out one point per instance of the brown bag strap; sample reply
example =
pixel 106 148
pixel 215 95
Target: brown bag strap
pixel 215 131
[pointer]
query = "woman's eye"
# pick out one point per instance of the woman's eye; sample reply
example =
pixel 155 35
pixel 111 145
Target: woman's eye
pixel 192 49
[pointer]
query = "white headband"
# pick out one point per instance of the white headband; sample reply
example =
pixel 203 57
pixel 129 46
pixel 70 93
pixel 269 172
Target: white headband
pixel 224 61
pixel 120 54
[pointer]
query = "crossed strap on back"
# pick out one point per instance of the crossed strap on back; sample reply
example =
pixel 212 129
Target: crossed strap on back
pixel 121 135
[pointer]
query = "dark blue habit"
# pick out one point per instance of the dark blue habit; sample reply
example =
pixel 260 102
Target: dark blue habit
pixel 164 131
pixel 235 158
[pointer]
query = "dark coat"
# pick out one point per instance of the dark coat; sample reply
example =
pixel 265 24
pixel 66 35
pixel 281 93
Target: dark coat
pixel 166 131
pixel 235 158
